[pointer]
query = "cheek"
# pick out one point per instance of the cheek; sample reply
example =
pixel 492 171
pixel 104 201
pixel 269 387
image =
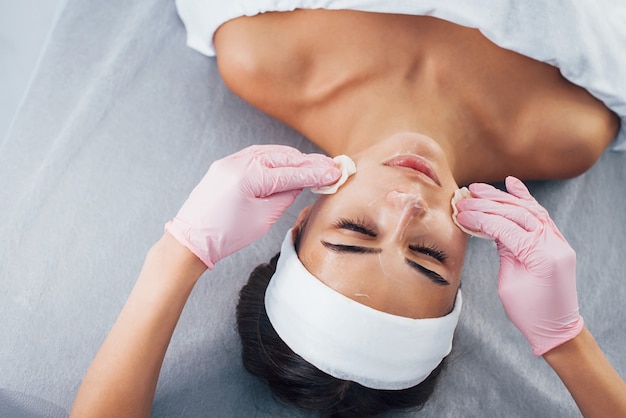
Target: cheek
pixel 457 254
pixel 452 239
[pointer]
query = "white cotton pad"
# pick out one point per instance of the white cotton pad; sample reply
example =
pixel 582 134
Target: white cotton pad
pixel 460 194
pixel 347 167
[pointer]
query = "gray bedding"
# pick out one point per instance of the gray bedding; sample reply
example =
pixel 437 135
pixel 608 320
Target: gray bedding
pixel 121 121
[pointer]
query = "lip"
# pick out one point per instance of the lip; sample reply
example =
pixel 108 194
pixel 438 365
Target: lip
pixel 416 163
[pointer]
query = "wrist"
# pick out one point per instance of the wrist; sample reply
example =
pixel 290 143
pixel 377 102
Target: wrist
pixel 571 348
pixel 172 255
pixel 559 337
pixel 197 242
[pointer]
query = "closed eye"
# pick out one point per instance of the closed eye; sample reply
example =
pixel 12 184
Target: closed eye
pixel 358 225
pixel 356 249
pixel 362 227
pixel 430 251
pixel 340 248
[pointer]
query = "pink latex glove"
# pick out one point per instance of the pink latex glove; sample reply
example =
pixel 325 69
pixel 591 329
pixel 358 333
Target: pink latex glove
pixel 242 195
pixel 537 279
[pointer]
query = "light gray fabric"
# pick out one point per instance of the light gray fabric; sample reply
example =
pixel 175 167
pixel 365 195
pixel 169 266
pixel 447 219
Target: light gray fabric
pixel 18 404
pixel 120 123
pixel 24 28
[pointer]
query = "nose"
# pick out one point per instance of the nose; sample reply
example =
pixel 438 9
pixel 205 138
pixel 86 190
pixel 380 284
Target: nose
pixel 407 201
pixel 410 207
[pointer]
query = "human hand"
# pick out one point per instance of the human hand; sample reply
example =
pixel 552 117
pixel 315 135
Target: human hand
pixel 537 278
pixel 242 195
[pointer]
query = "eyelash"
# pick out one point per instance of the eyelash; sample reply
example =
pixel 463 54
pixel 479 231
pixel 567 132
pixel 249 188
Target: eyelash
pixel 361 225
pixel 356 225
pixel 430 250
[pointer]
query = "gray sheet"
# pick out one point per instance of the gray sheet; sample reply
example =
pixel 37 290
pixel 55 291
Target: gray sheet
pixel 24 28
pixel 120 123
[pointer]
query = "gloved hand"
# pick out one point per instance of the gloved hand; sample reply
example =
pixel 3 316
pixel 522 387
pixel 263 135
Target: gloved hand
pixel 537 278
pixel 242 195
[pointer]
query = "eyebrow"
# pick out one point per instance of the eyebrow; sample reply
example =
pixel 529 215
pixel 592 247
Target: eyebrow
pixel 434 277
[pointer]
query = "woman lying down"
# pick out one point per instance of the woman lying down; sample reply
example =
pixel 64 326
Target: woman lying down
pixel 421 105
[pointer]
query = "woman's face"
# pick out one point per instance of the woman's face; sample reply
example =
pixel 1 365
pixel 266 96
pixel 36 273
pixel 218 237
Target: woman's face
pixel 386 238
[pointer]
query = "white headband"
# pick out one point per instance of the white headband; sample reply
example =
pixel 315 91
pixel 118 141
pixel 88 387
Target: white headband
pixel 349 340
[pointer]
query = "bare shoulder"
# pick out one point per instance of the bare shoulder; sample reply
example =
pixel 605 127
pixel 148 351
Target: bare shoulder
pixel 286 62
pixel 263 58
pixel 563 134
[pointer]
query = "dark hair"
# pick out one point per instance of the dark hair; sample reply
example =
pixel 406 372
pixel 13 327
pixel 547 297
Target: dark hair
pixel 297 382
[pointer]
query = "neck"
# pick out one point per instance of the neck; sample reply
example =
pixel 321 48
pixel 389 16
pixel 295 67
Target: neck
pixel 376 125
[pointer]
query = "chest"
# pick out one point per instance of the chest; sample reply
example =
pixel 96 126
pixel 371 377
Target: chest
pixel 342 78
pixel 503 110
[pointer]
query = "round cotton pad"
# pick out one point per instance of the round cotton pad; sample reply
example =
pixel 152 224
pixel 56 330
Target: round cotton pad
pixel 347 167
pixel 460 194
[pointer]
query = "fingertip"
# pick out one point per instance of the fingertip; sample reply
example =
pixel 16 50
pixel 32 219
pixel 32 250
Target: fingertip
pixel 512 181
pixel 479 188
pixel 330 176
pixel 517 188
pixel 469 223
pixel 461 204
pixel 466 219
pixel 470 220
